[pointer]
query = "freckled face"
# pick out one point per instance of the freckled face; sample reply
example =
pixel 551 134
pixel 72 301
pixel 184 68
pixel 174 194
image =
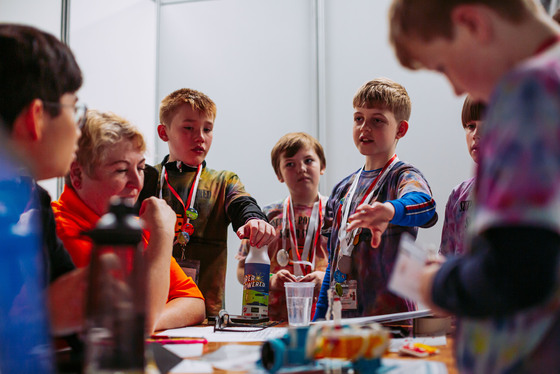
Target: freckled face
pixel 375 131
pixel 189 135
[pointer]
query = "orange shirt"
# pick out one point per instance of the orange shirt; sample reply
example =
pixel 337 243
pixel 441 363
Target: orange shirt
pixel 73 217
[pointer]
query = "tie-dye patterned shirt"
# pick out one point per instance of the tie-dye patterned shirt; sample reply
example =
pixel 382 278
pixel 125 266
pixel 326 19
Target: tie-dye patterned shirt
pixel 221 199
pixel 457 218
pixel 518 184
pixel 371 267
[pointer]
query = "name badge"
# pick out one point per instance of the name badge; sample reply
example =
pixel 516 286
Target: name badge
pixel 191 268
pixel 349 298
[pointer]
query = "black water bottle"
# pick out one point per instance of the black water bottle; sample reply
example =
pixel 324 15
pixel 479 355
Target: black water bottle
pixel 116 309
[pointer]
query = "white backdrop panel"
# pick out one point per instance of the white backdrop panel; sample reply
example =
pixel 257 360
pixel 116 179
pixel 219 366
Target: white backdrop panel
pixel 255 59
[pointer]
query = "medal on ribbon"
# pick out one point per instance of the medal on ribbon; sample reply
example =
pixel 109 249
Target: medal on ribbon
pixel 282 257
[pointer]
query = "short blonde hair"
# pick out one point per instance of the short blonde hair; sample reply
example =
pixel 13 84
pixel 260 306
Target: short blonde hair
pixel 292 143
pixel 383 92
pixel 431 19
pixel 100 132
pixel 197 100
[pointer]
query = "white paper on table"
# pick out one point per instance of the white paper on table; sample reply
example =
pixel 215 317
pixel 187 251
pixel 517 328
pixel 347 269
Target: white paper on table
pixel 208 333
pixel 434 341
pixel 253 336
pixel 185 350
pixel 192 366
pixel 234 357
pixel 188 332
pixel 405 278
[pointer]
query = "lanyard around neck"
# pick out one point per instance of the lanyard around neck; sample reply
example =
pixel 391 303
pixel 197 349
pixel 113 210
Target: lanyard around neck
pixel 373 187
pixel 192 192
pixel 313 232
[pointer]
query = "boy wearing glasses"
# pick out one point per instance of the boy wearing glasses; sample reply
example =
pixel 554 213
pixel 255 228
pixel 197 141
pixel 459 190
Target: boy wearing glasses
pixel 38 109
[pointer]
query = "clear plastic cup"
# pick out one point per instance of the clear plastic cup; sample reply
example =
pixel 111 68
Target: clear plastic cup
pixel 299 298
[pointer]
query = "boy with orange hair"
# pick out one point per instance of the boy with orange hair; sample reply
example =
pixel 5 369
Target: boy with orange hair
pixel 506 291
pixel 206 201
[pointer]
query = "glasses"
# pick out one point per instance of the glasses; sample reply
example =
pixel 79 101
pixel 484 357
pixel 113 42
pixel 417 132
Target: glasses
pixel 80 111
pixel 224 322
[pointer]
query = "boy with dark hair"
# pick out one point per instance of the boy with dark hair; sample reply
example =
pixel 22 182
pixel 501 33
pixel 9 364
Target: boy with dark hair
pixel 368 211
pixel 506 291
pixel 38 80
pixel 459 203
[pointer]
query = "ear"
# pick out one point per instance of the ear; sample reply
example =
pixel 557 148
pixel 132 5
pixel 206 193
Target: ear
pixel 402 129
pixel 29 125
pixel 162 132
pixel 76 175
pixel 280 178
pixel 322 171
pixel 474 19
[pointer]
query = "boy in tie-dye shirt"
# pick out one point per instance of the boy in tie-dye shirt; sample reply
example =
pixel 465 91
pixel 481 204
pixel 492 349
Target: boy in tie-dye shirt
pixel 368 211
pixel 505 290
pixel 206 201
pixel 458 208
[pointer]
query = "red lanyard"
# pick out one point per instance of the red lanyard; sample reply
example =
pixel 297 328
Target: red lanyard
pixel 192 193
pixel 313 249
pixel 370 188
pixel 547 43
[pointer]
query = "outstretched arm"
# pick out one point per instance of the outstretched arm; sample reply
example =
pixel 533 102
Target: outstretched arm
pixel 375 217
pixel 258 231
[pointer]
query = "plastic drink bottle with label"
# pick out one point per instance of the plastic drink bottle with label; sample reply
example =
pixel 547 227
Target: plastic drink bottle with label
pixel 256 283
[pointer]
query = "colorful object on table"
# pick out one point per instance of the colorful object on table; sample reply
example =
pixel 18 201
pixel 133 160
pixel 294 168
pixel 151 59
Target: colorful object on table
pixel 358 347
pixel 418 349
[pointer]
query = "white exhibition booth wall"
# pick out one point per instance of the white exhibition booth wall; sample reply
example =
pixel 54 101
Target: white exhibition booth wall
pixel 272 67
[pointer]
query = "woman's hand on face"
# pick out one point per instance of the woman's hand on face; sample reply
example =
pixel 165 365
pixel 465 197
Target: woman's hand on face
pixel 158 217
